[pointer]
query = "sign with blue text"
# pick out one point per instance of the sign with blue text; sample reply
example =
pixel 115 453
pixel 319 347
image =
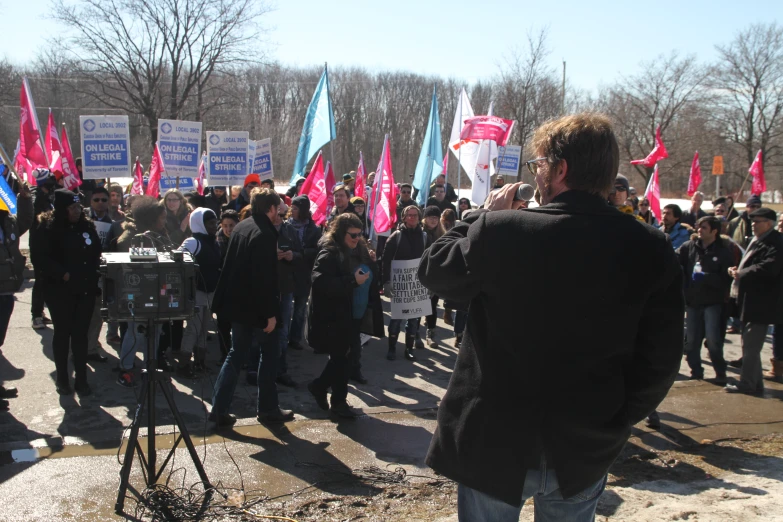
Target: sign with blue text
pixel 251 154
pixel 105 147
pixel 227 154
pixel 185 184
pixel 262 165
pixel 508 160
pixel 180 147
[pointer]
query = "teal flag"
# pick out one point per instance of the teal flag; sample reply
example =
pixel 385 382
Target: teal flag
pixel 318 129
pixel 430 162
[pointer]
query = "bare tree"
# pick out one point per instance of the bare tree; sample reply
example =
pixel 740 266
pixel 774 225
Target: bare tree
pixel 749 82
pixel 148 57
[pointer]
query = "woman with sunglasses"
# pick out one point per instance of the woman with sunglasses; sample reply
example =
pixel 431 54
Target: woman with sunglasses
pixel 345 297
pixel 646 214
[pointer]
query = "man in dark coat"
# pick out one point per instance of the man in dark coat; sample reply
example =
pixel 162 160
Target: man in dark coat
pixel 758 284
pixel 508 429
pixel 695 213
pixel 439 199
pixel 247 293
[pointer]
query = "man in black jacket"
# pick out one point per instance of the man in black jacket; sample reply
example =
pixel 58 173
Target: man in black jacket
pixel 507 430
pixel 247 293
pixel 439 199
pixel 758 284
pixel 705 262
pixel 695 213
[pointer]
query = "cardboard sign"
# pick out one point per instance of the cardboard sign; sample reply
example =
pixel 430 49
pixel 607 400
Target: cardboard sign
pixel 411 299
pixel 180 147
pixel 105 147
pixel 227 153
pixel 717 166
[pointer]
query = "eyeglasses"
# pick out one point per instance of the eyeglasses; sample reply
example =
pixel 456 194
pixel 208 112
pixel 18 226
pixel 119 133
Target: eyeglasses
pixel 644 204
pixel 100 200
pixel 354 235
pixel 620 189
pixel 532 165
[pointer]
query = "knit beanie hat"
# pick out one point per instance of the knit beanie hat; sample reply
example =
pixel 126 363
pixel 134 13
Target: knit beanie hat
pixel 64 198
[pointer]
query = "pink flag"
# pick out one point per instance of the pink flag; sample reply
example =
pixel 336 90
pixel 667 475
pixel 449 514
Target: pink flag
pixel 156 170
pixel 445 170
pixel 653 193
pixel 31 152
pixel 487 128
pixel 138 179
pixel 359 186
pixel 315 189
pixel 71 178
pixel 202 174
pixel 53 147
pixel 658 153
pixel 695 178
pixel 757 171
pixel 385 212
pixel 329 187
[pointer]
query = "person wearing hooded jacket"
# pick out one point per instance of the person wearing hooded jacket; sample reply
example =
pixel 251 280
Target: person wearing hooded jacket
pixel 308 233
pixel 407 242
pixel 68 250
pixel 206 252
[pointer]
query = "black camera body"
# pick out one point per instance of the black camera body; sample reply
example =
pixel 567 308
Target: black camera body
pixel 163 289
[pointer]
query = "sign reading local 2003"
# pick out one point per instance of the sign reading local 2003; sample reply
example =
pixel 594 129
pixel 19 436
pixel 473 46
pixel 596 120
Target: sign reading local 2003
pixel 105 147
pixel 227 154
pixel 180 148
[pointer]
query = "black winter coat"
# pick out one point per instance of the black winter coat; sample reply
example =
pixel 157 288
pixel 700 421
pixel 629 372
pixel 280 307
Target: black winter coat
pixel 577 339
pixel 215 203
pixel 288 240
pixel 74 249
pixel 209 261
pixel 715 261
pixel 329 315
pixel 12 262
pixel 303 268
pixel 404 244
pixel 761 282
pixel 247 291
pixel 690 219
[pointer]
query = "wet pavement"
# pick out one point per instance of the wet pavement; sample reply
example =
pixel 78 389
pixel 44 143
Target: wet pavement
pixel 58 455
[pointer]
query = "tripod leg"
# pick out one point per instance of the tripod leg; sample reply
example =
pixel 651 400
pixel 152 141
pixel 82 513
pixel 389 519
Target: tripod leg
pixel 186 437
pixel 129 451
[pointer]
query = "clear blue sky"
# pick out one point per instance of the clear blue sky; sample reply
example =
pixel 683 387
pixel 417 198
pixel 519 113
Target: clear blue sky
pixel 599 40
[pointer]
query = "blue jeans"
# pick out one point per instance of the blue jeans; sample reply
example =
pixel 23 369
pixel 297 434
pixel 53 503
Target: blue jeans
pixel 286 310
pixel 296 332
pixel 705 321
pixel 550 506
pixel 133 341
pixel 411 326
pixel 267 369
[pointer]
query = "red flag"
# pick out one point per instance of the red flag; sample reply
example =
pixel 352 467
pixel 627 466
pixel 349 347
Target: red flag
pixel 385 212
pixel 695 178
pixel 314 188
pixel 202 174
pixel 52 146
pixel 359 187
pixel 71 178
pixel 487 128
pixel 658 153
pixel 757 171
pixel 156 170
pixel 445 170
pixel 653 193
pixel 138 179
pixel 31 152
pixel 329 179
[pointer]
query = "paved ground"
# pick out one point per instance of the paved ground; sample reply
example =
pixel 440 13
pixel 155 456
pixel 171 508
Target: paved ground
pixel 58 455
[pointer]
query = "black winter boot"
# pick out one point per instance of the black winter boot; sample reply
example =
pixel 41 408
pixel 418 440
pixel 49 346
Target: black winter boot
pixel 392 353
pixel 409 340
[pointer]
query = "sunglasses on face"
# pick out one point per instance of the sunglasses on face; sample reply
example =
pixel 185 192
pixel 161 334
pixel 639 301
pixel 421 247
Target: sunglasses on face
pixel 354 235
pixel 100 200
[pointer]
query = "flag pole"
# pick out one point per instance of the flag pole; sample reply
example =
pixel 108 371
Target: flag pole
pixel 331 122
pixel 31 103
pixel 459 150
pixel 378 184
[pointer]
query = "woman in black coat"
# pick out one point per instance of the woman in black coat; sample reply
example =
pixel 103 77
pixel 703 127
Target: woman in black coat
pixel 68 251
pixel 344 302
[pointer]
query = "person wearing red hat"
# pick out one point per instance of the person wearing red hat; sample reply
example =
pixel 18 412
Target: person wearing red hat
pixel 251 181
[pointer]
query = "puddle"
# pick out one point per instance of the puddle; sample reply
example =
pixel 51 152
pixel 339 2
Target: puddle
pixel 25 455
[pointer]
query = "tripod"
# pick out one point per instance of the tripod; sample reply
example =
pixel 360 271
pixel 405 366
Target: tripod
pixel 151 376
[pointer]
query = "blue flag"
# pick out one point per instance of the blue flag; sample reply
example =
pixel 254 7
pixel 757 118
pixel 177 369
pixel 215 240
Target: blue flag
pixel 7 196
pixel 318 129
pixel 430 162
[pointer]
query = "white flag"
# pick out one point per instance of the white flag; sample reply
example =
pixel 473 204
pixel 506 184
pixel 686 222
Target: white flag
pixel 466 152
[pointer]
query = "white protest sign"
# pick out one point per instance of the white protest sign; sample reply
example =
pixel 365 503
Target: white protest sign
pixel 410 299
pixel 508 160
pixel 251 155
pixel 262 165
pixel 180 147
pixel 105 147
pixel 227 154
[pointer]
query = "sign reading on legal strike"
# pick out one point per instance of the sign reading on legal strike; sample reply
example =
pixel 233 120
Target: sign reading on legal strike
pixel 227 154
pixel 508 160
pixel 410 299
pixel 251 154
pixel 262 165
pixel 105 147
pixel 180 147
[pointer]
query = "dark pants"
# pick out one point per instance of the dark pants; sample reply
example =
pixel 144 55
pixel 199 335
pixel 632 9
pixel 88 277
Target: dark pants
pixel 335 376
pixel 432 319
pixel 460 321
pixel 355 353
pixel 380 247
pixel 296 332
pixel 224 331
pixel 71 316
pixel 37 305
pixel 171 337
pixel 753 336
pixel 267 369
pixel 6 309
pixel 777 343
